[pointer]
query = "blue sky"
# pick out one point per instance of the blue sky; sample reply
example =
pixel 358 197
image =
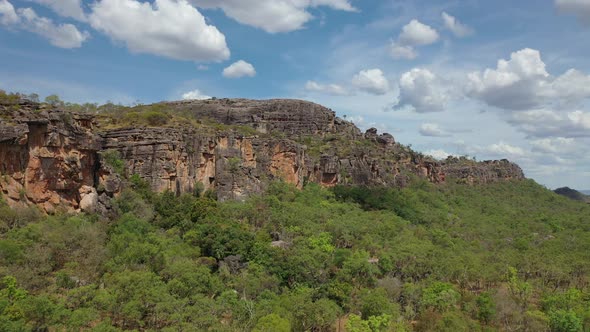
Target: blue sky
pixel 490 79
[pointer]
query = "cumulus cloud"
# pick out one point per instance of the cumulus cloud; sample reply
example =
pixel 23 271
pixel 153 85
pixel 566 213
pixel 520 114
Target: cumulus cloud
pixel 571 86
pixel 60 35
pixel 371 81
pixel 330 89
pixel 523 83
pixel 195 95
pixel 551 123
pixel 433 130
pixel 500 150
pixel 557 145
pixel 413 34
pixel 8 14
pixel 402 52
pixel 422 91
pixel 239 69
pixel 457 28
pixel 505 150
pixel 273 16
pixel 170 28
pixel 580 8
pixel 65 8
pixel 438 154
pixel 416 33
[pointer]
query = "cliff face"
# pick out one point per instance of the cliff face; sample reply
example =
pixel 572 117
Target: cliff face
pixel 58 160
pixel 48 158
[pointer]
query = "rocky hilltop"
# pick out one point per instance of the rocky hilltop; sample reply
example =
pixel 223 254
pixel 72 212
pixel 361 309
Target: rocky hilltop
pixel 59 159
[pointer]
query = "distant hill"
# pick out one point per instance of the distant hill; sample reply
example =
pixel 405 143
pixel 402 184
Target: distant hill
pixel 585 192
pixel 573 194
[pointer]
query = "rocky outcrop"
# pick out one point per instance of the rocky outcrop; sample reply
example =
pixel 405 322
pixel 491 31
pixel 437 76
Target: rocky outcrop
pixel 287 116
pixel 483 172
pixel 56 159
pixel 47 157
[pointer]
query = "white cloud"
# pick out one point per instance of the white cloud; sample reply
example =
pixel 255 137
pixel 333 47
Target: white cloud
pixel 573 85
pixel 438 154
pixel 550 123
pixel 402 52
pixel 371 81
pixel 8 15
pixel 239 69
pixel 557 145
pixel 504 150
pixel 523 83
pixel 334 4
pixel 62 35
pixel 500 150
pixel 416 33
pixel 330 89
pixel 169 28
pixel 195 95
pixel 273 16
pixel 433 130
pixel 421 90
pixel 413 34
pixel 456 27
pixel 65 8
pixel 580 8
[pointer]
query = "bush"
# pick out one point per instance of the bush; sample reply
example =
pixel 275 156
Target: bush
pixel 440 296
pixel 565 321
pixel 272 323
pixel 113 159
pixel 486 308
pixel 156 118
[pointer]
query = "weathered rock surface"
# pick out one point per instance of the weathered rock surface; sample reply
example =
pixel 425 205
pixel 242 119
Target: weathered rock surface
pixel 55 159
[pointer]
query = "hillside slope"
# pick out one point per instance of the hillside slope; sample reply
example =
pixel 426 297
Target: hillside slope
pixel 506 256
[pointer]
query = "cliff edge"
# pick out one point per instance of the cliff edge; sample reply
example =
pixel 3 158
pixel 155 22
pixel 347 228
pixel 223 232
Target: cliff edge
pixel 59 159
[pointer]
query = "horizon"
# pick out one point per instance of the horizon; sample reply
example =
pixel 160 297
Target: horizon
pixel 489 80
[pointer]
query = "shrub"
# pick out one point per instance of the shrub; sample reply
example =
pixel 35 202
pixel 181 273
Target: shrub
pixel 272 323
pixel 113 159
pixel 156 118
pixel 565 321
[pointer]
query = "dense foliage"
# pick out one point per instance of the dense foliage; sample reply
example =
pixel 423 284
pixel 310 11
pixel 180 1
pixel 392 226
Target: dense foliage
pixel 508 256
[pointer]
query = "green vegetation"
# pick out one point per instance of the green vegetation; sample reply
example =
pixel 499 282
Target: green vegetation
pixel 113 159
pixel 9 98
pixel 508 256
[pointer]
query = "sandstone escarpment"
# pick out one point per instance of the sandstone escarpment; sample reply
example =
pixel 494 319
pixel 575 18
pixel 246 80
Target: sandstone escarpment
pixel 291 117
pixel 48 158
pixel 482 172
pixel 57 159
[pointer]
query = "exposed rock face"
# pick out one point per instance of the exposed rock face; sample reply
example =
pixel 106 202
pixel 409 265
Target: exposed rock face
pixel 56 159
pixel 484 172
pixel 291 117
pixel 46 157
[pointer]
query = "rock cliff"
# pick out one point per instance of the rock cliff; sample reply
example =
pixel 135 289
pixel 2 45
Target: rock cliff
pixel 63 160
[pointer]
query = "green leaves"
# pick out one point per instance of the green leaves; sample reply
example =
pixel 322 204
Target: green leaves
pixel 425 257
pixel 565 321
pixel 272 323
pixel 440 296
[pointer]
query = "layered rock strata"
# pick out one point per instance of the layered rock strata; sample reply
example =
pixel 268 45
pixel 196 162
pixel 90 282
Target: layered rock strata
pixel 57 160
